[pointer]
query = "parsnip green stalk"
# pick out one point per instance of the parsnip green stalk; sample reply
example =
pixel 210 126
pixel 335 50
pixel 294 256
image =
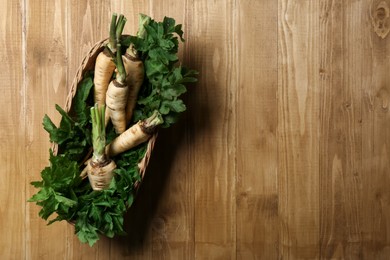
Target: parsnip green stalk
pixel 100 167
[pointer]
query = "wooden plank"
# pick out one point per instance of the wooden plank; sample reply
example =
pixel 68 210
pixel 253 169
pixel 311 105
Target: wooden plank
pixel 341 132
pixel 88 22
pixel 161 217
pixel 172 224
pixel 137 244
pixel 12 133
pixel 298 113
pixel 172 230
pixel 375 179
pixel 46 62
pixel 257 119
pixel 295 170
pixel 212 128
pixel 131 10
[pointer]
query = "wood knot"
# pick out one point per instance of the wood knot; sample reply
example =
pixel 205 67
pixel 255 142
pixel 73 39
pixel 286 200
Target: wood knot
pixel 381 19
pixel 383 98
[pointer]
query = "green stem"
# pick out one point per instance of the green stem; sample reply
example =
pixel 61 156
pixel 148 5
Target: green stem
pixel 121 75
pixel 98 133
pixel 119 28
pixel 143 20
pixel 150 123
pixel 112 40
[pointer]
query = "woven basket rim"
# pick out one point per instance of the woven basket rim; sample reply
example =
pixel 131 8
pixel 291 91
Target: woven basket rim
pixel 86 64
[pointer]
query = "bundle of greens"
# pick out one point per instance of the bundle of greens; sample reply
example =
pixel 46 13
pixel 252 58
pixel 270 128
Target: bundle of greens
pixel 63 190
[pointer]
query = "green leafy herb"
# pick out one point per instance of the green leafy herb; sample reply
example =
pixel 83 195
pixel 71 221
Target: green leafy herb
pixel 56 193
pixel 73 133
pixel 80 106
pixel 166 83
pixel 61 190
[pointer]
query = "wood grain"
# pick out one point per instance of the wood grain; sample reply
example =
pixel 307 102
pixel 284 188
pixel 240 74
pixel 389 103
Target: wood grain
pixel 88 23
pixel 298 129
pixel 375 177
pixel 172 226
pixel 257 120
pixel 213 130
pixel 341 131
pixel 283 152
pixel 12 134
pixel 46 68
pixel 138 243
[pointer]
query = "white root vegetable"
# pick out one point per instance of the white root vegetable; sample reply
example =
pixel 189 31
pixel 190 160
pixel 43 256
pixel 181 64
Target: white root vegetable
pixel 135 135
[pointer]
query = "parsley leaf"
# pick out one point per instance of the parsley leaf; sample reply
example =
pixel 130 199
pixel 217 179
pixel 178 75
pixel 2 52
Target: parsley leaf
pixel 61 189
pixel 56 187
pixel 166 82
pixel 81 108
pixel 73 134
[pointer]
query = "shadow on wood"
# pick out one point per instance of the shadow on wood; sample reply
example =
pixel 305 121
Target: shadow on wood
pixel 170 142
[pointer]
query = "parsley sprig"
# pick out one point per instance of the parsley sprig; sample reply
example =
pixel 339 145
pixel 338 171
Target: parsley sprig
pixel 62 190
pixel 165 81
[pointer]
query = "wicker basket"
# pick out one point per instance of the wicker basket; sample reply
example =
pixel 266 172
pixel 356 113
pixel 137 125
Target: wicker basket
pixel 88 64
